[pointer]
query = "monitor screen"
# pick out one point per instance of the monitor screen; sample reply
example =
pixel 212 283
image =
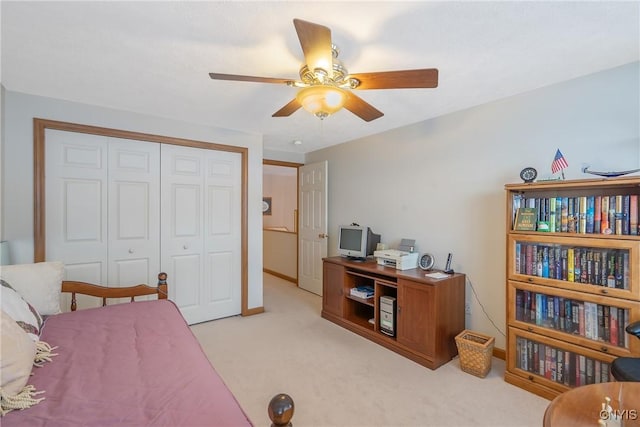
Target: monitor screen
pixel 351 239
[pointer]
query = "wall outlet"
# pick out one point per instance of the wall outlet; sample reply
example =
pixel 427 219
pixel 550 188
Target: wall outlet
pixel 467 308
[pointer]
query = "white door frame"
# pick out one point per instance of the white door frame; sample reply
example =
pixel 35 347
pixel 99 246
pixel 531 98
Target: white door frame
pixel 39 190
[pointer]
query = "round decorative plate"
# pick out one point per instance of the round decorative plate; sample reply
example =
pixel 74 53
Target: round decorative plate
pixel 426 261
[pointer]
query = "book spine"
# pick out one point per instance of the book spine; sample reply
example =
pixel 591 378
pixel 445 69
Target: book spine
pixel 625 270
pixel 581 321
pixel 582 216
pixel 604 224
pixel 625 214
pixel 618 215
pixel 613 326
pixel 611 269
pixel 597 214
pixel 571 215
pixel 582 370
pixel 606 316
pixel 633 215
pixel 577 273
pixel 612 214
pixel 558 220
pixel 570 263
pixel 519 304
pixel 590 215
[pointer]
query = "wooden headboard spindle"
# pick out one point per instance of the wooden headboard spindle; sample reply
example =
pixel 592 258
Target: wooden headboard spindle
pixel 104 292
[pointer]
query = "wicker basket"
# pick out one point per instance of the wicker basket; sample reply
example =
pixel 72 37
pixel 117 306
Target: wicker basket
pixel 475 352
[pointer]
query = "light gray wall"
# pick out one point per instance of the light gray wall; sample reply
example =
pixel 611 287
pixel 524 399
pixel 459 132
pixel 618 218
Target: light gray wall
pixel 1 162
pixel 17 171
pixel 441 181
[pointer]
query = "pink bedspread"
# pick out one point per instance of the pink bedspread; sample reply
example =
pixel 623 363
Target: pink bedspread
pixel 135 364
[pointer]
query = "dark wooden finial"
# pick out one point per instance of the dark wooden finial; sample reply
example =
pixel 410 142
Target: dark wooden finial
pixel 162 286
pixel 281 410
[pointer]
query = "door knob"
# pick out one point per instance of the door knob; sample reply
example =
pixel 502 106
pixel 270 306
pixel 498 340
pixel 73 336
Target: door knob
pixel 130 250
pixel 323 235
pixel 185 247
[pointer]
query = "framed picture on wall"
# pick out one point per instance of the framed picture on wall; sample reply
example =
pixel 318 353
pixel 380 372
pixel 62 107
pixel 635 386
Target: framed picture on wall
pixel 266 206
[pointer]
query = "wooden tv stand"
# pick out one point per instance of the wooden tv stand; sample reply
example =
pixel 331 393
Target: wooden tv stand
pixel 429 312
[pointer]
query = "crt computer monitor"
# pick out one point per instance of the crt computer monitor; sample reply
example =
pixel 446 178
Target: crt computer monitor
pixel 356 241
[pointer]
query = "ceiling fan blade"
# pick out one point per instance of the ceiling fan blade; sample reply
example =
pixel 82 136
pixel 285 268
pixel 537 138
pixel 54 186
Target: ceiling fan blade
pixel 316 45
pixel 288 109
pixel 424 78
pixel 235 77
pixel 361 108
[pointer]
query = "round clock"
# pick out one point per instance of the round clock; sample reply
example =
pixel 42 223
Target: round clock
pixel 426 261
pixel 528 174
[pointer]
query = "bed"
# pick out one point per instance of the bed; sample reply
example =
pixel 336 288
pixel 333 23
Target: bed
pixel 132 364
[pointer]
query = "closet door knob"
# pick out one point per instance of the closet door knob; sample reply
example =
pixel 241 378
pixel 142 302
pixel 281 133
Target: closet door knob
pixel 185 247
pixel 130 250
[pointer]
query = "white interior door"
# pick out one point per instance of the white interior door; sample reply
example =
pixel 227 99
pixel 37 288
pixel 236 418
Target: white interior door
pixel 313 225
pixel 200 224
pixel 222 236
pixel 134 214
pixel 76 203
pixel 102 209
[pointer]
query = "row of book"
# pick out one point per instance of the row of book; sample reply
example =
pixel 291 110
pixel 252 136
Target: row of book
pixel 362 292
pixel 587 319
pixel 558 365
pixel 595 266
pixel 584 214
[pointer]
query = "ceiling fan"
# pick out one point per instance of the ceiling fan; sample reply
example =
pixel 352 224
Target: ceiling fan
pixel 325 84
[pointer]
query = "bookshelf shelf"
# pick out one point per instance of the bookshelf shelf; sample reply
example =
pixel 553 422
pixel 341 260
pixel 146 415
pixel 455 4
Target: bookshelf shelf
pixel 571 290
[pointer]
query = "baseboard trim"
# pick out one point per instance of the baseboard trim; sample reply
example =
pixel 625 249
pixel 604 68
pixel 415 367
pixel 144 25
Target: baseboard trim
pixel 280 275
pixel 499 353
pixel 252 311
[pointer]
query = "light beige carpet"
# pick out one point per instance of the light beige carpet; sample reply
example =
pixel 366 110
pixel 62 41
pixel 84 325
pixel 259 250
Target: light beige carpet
pixel 337 378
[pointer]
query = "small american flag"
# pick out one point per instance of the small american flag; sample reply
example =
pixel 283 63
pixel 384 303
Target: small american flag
pixel 559 162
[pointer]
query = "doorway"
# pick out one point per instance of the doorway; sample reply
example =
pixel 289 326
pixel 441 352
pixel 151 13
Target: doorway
pixel 280 219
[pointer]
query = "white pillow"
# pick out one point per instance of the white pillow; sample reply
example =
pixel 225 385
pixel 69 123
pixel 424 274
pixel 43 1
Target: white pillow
pixel 17 352
pixel 39 284
pixel 22 313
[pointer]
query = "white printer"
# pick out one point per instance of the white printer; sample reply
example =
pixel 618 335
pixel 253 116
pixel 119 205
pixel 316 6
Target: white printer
pixel 400 260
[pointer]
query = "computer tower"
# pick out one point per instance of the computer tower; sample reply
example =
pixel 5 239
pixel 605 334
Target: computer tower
pixel 388 315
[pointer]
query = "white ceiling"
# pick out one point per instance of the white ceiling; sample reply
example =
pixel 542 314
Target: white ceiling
pixel 154 57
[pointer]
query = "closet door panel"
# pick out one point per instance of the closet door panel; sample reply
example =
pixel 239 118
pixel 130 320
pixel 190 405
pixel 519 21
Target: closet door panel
pixel 222 230
pixel 76 202
pixel 134 212
pixel 186 271
pixel 182 225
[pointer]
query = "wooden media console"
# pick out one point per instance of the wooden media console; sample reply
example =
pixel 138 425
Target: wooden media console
pixel 429 313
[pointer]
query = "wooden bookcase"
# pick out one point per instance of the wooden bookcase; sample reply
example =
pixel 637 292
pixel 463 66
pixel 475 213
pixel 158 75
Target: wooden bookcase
pixel 429 312
pixel 571 290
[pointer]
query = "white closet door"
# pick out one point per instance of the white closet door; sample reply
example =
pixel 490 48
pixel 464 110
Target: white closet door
pixel 201 231
pixel 102 209
pixel 76 203
pixel 222 273
pixel 134 212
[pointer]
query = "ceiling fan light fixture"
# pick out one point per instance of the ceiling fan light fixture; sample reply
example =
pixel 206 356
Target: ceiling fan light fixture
pixel 322 100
